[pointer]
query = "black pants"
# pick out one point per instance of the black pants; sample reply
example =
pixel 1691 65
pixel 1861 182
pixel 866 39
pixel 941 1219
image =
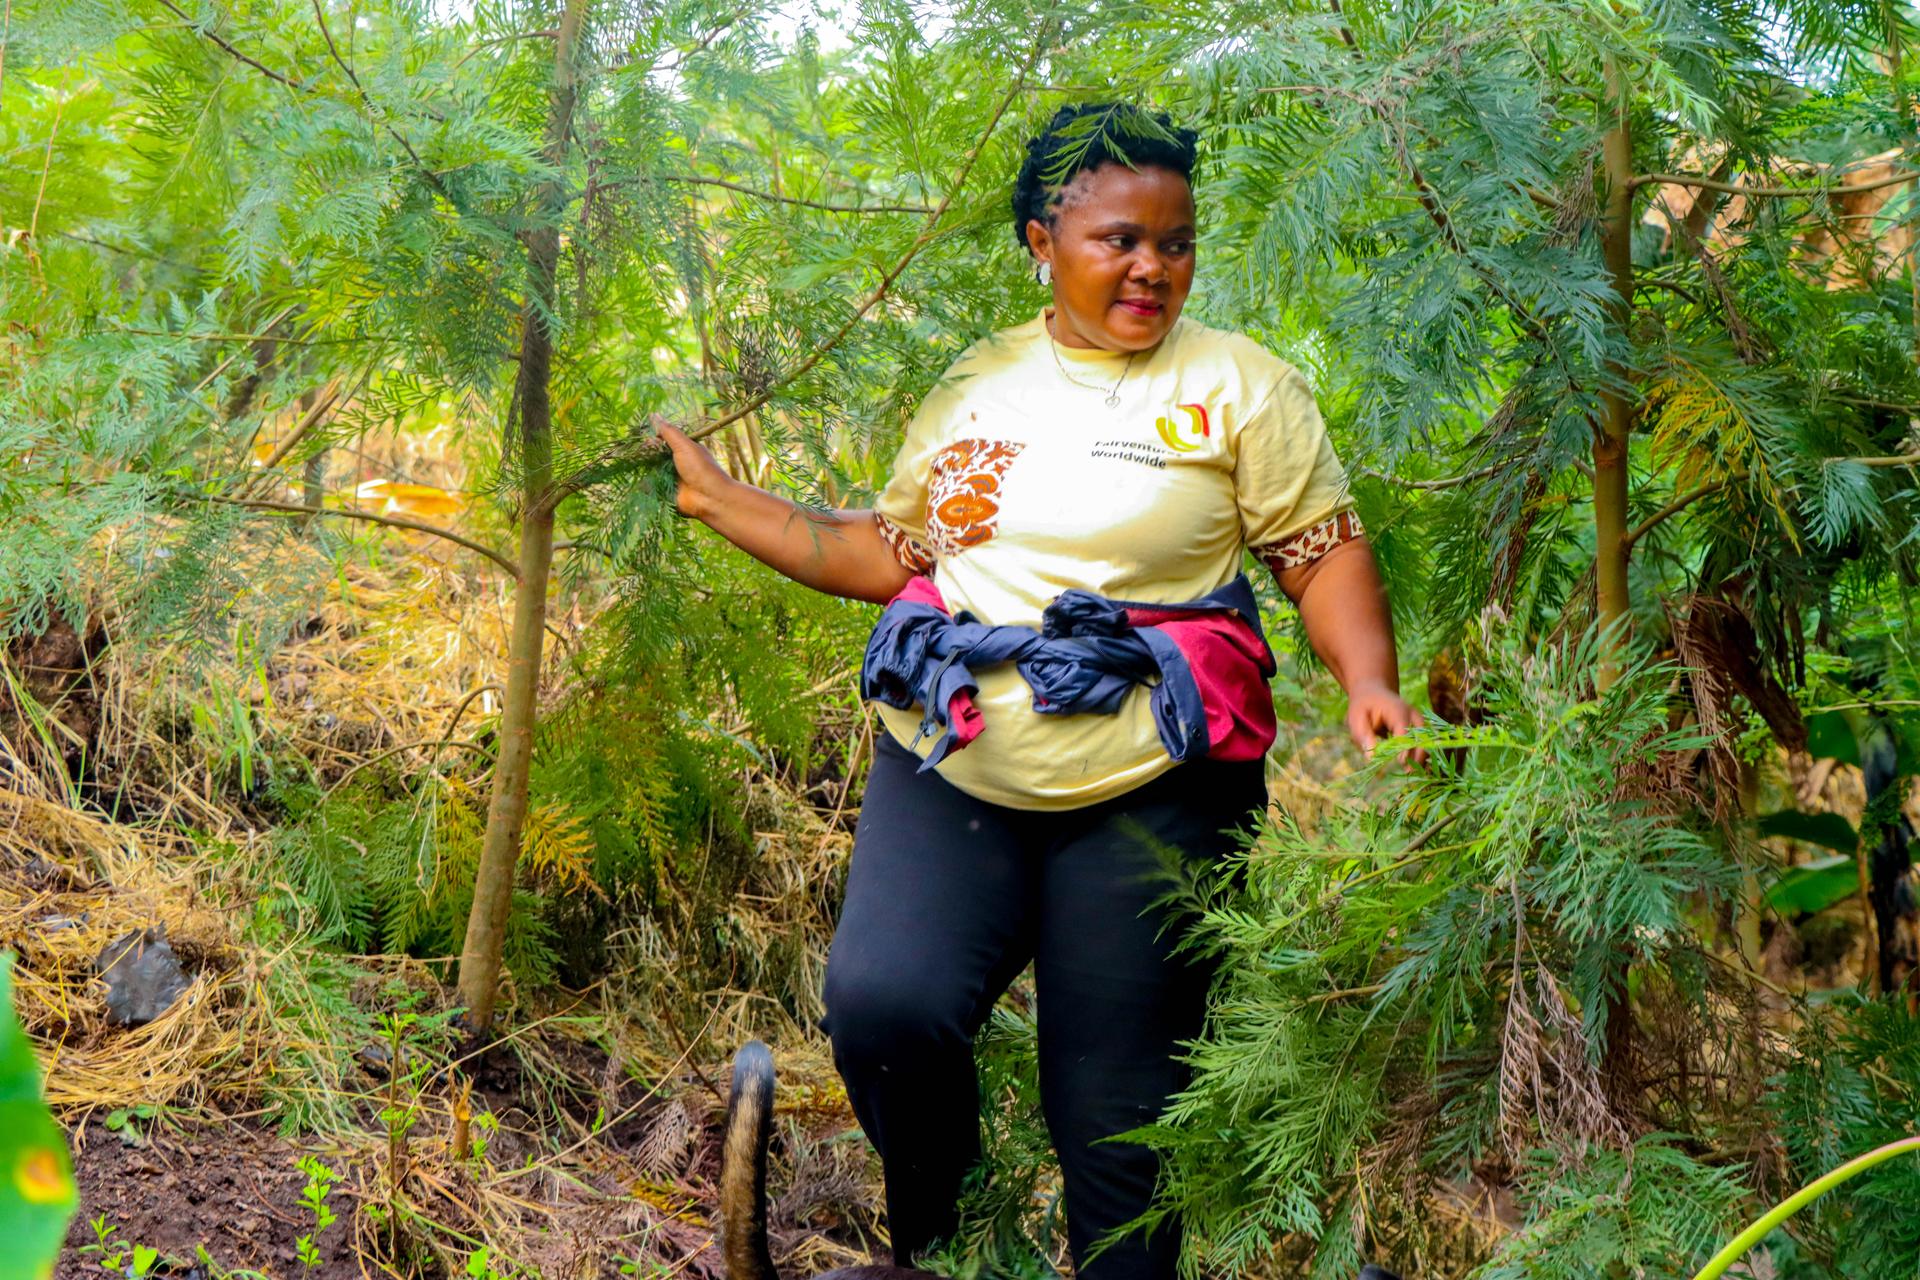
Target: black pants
pixel 948 898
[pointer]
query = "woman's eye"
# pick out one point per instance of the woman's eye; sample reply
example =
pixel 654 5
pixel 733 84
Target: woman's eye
pixel 1180 248
pixel 1122 243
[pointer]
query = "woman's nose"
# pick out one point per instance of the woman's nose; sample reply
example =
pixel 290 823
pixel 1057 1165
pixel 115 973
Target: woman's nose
pixel 1148 267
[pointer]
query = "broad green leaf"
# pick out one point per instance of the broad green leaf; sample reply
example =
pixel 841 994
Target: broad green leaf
pixel 1815 886
pixel 1830 736
pixel 1828 830
pixel 37 1193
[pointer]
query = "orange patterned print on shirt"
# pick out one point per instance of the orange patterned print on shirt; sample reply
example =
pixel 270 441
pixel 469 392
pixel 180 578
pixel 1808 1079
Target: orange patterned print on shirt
pixel 963 493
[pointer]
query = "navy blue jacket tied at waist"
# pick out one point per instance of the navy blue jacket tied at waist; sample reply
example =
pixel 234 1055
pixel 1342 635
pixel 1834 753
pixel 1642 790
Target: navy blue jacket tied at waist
pixel 1207 661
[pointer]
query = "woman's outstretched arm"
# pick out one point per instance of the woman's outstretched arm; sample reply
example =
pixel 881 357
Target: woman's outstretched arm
pixel 838 552
pixel 1344 606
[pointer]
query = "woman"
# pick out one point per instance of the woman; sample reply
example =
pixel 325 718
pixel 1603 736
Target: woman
pixel 1105 453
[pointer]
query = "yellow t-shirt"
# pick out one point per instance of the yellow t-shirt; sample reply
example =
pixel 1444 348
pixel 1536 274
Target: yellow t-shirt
pixel 1016 481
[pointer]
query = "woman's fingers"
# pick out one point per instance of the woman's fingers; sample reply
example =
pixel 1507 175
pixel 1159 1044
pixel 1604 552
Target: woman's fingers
pixel 1360 724
pixel 1375 717
pixel 695 467
pixel 1412 720
pixel 676 440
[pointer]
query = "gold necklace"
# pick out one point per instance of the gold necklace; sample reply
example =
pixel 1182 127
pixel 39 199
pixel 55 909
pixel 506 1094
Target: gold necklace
pixel 1113 392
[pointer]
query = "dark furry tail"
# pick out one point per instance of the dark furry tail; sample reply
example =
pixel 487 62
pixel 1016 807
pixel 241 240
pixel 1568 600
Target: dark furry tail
pixel 743 1166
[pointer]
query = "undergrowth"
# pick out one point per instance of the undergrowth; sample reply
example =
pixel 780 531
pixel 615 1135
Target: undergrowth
pixel 1499 980
pixel 649 797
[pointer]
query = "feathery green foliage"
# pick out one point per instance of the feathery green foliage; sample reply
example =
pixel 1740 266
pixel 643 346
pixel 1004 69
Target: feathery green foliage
pixel 1409 997
pixel 1554 994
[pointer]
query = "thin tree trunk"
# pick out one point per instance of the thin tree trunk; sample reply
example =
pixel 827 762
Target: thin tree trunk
pixel 1612 601
pixel 313 476
pixel 313 479
pixel 507 811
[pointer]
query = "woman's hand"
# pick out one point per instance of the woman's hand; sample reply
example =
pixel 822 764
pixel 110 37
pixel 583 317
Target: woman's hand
pixel 838 552
pixel 1344 604
pixel 702 482
pixel 1375 713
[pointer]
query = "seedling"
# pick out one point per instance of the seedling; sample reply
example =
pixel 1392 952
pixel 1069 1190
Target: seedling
pixel 132 1261
pixel 398 1116
pixel 320 1180
pixel 485 1125
pixel 130 1124
pixel 103 1235
pixel 480 1266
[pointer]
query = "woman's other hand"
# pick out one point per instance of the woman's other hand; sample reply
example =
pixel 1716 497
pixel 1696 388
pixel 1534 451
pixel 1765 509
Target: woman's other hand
pixel 1376 713
pixel 702 481
pixel 1344 604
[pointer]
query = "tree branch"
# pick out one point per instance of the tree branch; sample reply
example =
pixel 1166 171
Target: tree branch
pixel 1436 211
pixel 128 250
pixel 444 740
pixel 641 445
pixel 549 34
pixel 432 178
pixel 232 52
pixel 1672 286
pixel 808 204
pixel 46 167
pixel 1346 36
pixel 233 337
pixel 1895 406
pixel 1740 970
pixel 880 290
pixel 6 32
pixel 1692 496
pixel 394 522
pixel 1449 482
pixel 1675 507
pixel 706 42
pixel 1734 189
pixel 329 394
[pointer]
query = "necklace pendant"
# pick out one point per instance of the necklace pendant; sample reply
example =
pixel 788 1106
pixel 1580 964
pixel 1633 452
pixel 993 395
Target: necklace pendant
pixel 1113 399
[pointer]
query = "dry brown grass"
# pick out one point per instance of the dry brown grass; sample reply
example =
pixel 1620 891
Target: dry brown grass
pixel 71 884
pixel 397 667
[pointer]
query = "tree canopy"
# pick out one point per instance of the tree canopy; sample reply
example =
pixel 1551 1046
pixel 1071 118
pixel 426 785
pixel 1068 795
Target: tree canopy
pixel 1613 310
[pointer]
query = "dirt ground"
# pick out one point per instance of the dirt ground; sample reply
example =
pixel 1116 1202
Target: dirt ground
pixel 641 1188
pixel 232 1190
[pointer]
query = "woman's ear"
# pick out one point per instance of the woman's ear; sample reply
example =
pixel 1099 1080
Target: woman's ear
pixel 1039 240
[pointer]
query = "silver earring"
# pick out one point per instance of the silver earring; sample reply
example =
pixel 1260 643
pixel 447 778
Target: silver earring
pixel 1045 274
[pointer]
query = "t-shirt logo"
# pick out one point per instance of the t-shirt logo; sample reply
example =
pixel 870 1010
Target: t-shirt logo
pixel 1185 434
pixel 963 492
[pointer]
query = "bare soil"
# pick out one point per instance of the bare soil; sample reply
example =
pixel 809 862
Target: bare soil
pixel 233 1190
pixel 641 1186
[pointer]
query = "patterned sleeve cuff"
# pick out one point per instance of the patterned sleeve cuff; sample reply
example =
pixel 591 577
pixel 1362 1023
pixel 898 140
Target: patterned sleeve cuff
pixel 1311 543
pixel 906 549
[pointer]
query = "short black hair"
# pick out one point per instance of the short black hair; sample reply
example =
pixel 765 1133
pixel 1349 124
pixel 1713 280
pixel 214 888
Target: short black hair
pixel 1086 135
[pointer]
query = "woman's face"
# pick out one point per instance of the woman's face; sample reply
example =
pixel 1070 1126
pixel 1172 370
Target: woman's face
pixel 1121 245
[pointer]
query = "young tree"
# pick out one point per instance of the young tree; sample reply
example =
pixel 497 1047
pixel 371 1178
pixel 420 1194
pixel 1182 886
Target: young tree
pixel 514 208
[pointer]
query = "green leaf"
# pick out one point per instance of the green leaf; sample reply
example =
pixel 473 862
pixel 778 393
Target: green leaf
pixel 1830 735
pixel 1828 830
pixel 1814 886
pixel 37 1193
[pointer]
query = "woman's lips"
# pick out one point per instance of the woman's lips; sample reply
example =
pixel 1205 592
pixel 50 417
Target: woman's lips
pixel 1139 308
